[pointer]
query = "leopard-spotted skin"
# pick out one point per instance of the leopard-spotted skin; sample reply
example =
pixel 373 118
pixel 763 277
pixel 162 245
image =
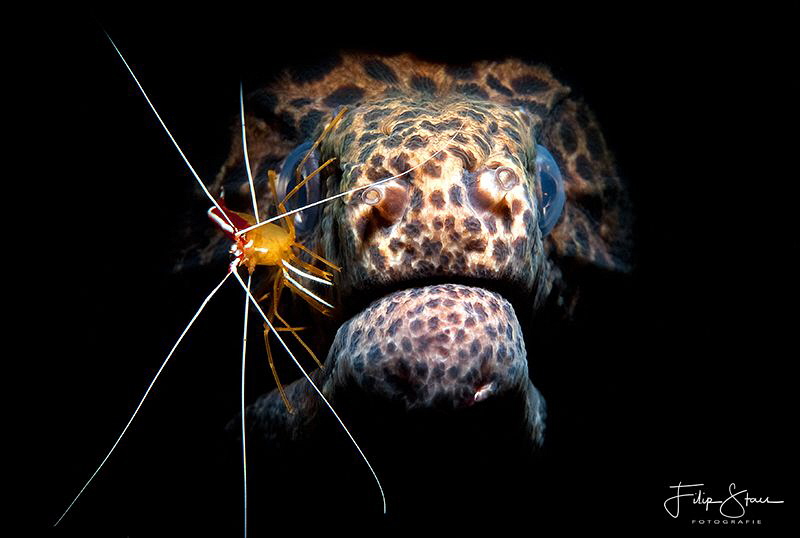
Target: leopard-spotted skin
pixel 434 221
pixel 444 220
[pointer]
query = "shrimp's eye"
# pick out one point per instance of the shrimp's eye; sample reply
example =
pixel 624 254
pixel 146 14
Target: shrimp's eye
pixel 309 193
pixel 553 197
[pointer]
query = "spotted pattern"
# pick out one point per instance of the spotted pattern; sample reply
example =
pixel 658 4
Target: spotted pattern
pixel 417 229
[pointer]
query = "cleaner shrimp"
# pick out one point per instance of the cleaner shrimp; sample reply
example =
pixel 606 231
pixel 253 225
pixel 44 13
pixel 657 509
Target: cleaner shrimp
pixel 249 234
pixel 269 245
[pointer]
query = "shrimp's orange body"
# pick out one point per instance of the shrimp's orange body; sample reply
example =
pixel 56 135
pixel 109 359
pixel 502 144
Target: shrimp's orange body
pixel 266 245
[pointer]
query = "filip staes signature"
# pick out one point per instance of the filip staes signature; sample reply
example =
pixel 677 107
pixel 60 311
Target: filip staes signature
pixel 734 506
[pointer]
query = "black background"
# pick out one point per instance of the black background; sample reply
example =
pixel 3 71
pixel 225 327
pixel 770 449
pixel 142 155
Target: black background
pixel 678 373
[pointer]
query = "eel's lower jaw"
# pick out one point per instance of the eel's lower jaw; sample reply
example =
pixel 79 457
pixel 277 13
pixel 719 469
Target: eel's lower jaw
pixel 442 347
pixel 444 350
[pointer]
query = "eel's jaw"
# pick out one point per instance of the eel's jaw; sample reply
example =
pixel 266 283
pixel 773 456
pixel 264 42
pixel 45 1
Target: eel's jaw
pixel 443 347
pixel 446 349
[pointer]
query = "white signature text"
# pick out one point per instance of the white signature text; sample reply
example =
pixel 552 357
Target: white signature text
pixel 733 506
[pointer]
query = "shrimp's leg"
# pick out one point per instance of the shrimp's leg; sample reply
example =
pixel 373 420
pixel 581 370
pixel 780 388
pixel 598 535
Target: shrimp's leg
pixel 302 181
pixel 278 289
pixel 281 329
pixel 306 179
pixel 271 175
pixel 318 257
pixel 313 355
pixel 274 371
pixel 322 135
pixel 313 270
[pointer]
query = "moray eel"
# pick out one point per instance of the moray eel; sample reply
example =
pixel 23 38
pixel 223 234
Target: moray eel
pixel 442 271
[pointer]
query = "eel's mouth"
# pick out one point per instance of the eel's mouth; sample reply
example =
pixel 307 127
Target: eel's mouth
pixel 443 346
pixel 443 349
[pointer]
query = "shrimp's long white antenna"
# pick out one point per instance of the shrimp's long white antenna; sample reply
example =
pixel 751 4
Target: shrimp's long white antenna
pixel 244 431
pixel 246 301
pixel 308 378
pixel 174 142
pixel 153 382
pixel 246 158
pixel 350 191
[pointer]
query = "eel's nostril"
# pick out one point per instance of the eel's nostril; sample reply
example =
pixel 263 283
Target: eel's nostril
pixel 491 187
pixel 506 178
pixel 384 205
pixel 372 196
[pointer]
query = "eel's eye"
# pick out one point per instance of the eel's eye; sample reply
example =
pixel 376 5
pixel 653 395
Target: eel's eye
pixel 506 178
pixel 309 193
pixel 553 197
